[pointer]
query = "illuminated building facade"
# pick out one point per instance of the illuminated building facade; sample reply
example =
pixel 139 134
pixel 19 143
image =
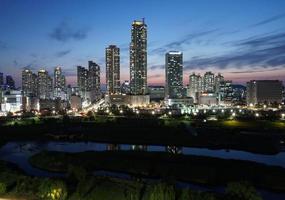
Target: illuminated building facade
pixel 138 58
pixel 113 69
pixel 174 75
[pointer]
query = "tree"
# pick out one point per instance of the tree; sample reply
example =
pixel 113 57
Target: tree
pixel 242 191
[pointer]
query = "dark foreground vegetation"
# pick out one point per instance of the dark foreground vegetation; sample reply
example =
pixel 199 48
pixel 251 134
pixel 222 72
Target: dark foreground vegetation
pixel 197 169
pixel 254 136
pixel 81 185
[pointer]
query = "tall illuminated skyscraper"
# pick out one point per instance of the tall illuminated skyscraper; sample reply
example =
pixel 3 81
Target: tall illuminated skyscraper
pixel 44 82
pixel 29 83
pixel 138 58
pixel 1 79
pixel 174 75
pixel 195 85
pixel 94 77
pixel 113 69
pixel 59 82
pixel 218 79
pixel 209 82
pixel 82 81
pixel 10 82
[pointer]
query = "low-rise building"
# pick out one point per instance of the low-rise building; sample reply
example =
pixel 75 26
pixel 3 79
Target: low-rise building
pixel 12 101
pixel 264 92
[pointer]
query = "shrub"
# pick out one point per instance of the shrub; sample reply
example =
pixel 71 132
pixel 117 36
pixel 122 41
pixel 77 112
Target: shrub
pixel 161 191
pixel 242 191
pixel 3 188
pixel 52 190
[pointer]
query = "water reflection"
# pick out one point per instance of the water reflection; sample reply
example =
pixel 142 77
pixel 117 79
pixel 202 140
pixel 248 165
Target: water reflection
pixel 19 152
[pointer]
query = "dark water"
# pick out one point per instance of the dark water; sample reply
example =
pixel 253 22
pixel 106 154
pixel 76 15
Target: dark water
pixel 19 153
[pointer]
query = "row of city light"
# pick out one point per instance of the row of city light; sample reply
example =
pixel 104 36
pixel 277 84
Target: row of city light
pixel 194 112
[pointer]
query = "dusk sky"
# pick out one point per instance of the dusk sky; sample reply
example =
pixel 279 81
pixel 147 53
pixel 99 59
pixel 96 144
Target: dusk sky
pixel 240 38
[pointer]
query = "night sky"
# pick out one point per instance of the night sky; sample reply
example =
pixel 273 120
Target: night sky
pixel 242 39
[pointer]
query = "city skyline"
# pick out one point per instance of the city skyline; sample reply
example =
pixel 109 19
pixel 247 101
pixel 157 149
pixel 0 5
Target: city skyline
pixel 243 47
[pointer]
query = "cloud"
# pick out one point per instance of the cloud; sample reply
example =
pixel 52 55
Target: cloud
pixel 269 20
pixel 62 53
pixel 254 71
pixel 70 71
pixel 155 76
pixel 65 32
pixel 154 67
pixel 262 52
pixel 30 66
pixel 262 41
pixel 186 40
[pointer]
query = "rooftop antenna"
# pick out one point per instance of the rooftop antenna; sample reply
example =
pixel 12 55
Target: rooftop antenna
pixel 143 20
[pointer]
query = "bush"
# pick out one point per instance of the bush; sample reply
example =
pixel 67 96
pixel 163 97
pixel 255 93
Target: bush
pixel 161 191
pixel 77 172
pixel 26 185
pixel 3 188
pixel 184 195
pixel 242 191
pixel 52 190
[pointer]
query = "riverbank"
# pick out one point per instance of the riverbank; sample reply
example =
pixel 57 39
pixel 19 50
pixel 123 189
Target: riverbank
pixel 258 138
pixel 196 169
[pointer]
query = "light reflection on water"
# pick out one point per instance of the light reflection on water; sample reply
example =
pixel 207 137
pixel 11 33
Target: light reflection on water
pixel 19 153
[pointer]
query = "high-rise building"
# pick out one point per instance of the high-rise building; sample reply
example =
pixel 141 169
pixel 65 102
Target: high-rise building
pixel 59 83
pixel 1 79
pixel 225 92
pixel 113 69
pixel 138 58
pixel 264 92
pixel 10 82
pixel 209 82
pixel 218 79
pixel 195 85
pixel 29 83
pixel 82 81
pixel 174 75
pixel 44 82
pixel 94 79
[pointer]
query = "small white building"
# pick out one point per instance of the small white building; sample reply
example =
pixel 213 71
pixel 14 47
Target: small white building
pixel 209 99
pixel 12 101
pixel 131 100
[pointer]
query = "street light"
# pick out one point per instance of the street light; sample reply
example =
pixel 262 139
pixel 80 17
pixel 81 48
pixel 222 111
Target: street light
pixel 152 112
pixel 234 114
pixel 256 114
